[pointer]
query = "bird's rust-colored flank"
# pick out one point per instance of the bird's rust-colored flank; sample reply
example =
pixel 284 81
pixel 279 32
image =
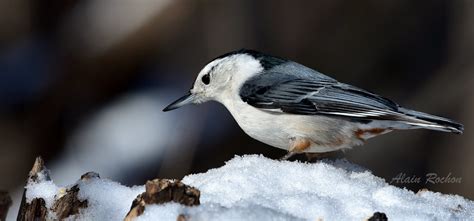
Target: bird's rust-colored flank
pixel 299 145
pixel 371 132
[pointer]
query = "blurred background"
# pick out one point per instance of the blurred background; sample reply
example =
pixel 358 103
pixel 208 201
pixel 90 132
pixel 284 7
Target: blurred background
pixel 83 83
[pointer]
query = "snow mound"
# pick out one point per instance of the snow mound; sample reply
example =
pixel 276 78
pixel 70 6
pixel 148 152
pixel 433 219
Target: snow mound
pixel 327 190
pixel 257 188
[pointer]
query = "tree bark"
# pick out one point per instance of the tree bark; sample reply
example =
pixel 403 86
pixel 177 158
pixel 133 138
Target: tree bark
pixel 65 205
pixel 36 209
pixel 160 191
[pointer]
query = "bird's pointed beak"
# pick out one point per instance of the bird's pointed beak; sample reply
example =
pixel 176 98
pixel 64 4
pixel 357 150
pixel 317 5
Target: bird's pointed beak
pixel 186 99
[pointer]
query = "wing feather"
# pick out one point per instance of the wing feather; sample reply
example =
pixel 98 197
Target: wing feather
pixel 281 92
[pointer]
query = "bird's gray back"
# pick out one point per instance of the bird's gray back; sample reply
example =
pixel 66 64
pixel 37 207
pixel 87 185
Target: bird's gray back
pixel 299 71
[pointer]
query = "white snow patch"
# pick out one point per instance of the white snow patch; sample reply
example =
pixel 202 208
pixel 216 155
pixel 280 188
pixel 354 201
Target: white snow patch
pixel 107 200
pixel 45 189
pixel 257 188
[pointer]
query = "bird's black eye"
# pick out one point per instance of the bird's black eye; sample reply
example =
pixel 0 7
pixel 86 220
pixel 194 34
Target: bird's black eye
pixel 206 79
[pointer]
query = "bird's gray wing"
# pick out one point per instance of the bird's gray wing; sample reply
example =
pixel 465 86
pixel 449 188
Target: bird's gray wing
pixel 306 95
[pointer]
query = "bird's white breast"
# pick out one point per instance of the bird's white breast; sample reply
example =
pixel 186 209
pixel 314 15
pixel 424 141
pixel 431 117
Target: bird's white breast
pixel 327 134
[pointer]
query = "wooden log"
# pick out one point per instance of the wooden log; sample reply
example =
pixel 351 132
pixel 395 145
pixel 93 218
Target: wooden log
pixel 68 204
pixel 36 209
pixel 181 217
pixel 160 191
pixel 378 216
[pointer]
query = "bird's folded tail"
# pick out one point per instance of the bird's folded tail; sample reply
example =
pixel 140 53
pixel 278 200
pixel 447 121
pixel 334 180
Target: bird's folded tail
pixel 431 122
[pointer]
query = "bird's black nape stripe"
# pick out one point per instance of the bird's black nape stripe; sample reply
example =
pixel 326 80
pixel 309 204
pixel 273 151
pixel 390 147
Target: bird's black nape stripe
pixel 266 60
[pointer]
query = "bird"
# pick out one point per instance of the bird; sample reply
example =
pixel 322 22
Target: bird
pixel 289 106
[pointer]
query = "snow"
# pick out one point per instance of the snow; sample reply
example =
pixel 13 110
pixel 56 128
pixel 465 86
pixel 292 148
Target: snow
pixel 107 200
pixel 44 188
pixel 257 188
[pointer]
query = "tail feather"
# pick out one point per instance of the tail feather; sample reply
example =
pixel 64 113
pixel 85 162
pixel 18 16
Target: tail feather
pixel 432 122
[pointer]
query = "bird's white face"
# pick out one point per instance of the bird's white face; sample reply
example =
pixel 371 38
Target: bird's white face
pixel 212 79
pixel 220 78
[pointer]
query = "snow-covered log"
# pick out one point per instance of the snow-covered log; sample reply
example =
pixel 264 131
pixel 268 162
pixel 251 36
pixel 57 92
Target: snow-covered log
pixel 257 188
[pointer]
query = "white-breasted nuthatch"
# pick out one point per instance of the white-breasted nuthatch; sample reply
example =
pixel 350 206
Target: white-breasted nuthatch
pixel 287 105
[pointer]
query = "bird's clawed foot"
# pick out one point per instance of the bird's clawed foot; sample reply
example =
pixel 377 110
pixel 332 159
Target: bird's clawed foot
pixel 288 156
pixel 310 157
pixel 297 145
